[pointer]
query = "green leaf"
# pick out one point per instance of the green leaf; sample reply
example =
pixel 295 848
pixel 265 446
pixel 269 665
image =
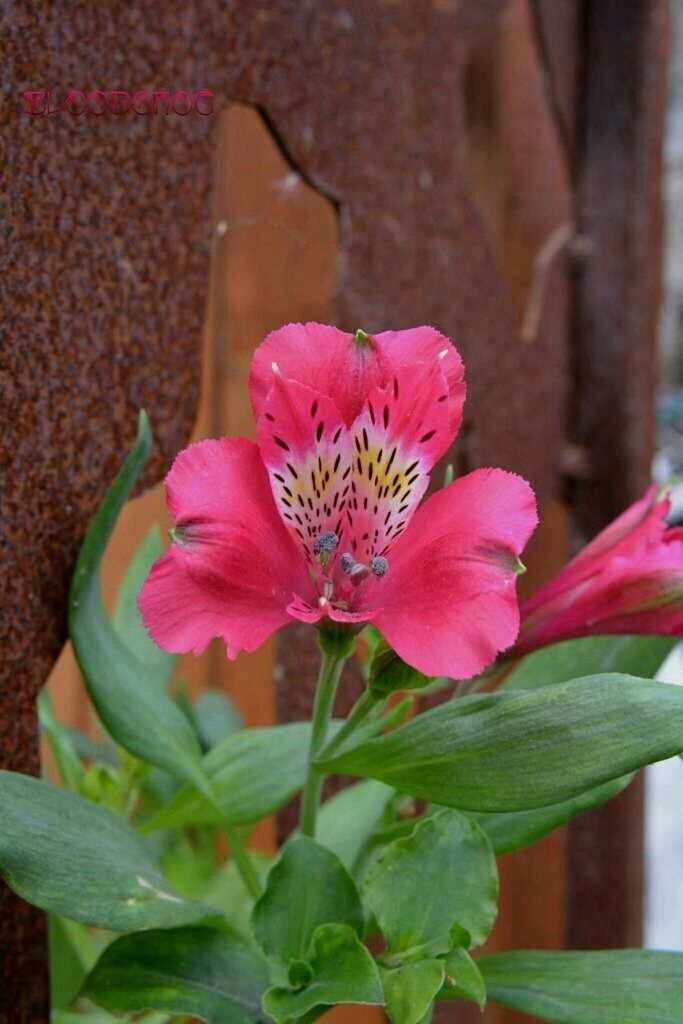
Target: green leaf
pixel 194 971
pixel 90 1017
pixel 188 861
pixel 342 972
pixel 633 655
pixel 516 751
pixel 127 621
pixel 308 886
pixel 66 759
pixel 67 855
pixel 410 990
pixel 517 829
pixel 216 718
pixel 621 986
pixel 389 673
pixel 463 978
pixel 89 749
pixel 141 718
pixel 443 874
pixel 228 893
pixel 347 820
pixel 72 954
pixel 252 773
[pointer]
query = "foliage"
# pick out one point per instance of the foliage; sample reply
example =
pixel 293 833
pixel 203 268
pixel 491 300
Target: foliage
pixel 147 916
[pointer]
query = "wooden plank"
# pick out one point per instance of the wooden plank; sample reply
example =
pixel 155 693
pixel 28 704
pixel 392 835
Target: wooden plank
pixel 618 297
pixel 521 180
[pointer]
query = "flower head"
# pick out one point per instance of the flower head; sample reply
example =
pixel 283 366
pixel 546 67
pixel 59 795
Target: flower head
pixel 319 519
pixel 629 579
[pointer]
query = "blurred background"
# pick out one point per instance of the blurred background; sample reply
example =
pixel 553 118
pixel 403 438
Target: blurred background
pixel 664 822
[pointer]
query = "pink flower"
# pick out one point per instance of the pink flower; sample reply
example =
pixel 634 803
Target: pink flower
pixel 629 579
pixel 319 519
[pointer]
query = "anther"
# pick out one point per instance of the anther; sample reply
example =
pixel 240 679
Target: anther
pixel 347 563
pixel 379 566
pixel 325 543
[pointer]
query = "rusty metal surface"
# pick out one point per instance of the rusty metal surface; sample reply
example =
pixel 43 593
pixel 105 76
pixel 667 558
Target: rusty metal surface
pixel 618 298
pixel 103 267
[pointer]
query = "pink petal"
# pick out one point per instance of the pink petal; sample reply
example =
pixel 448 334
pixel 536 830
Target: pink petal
pixel 401 432
pixel 304 611
pixel 635 593
pixel 641 522
pixel 448 600
pixel 234 567
pixel 640 526
pixel 304 445
pixel 403 350
pixel 333 363
pixel 309 613
pixel 321 357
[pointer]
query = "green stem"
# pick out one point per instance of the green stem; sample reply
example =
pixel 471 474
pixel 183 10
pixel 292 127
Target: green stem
pixel 240 855
pixel 331 667
pixel 358 713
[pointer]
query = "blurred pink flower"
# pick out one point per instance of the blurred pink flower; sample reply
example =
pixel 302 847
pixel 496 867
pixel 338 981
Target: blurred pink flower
pixel 318 520
pixel 629 579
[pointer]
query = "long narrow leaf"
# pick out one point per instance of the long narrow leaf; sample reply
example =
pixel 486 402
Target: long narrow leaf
pixel 140 717
pixel 513 752
pixel 621 986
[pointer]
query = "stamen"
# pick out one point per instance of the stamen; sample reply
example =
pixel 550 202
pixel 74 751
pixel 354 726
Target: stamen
pixel 379 566
pixel 362 339
pixel 347 563
pixel 325 543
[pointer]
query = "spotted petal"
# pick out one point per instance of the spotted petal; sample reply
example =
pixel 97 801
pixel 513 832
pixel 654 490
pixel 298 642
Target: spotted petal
pixel 304 445
pixel 415 351
pixel 401 432
pixel 233 568
pixel 448 601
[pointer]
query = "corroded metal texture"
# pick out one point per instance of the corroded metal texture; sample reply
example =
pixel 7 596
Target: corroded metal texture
pixel 103 267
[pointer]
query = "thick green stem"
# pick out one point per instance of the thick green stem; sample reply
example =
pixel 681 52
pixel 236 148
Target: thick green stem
pixel 358 713
pixel 331 666
pixel 240 855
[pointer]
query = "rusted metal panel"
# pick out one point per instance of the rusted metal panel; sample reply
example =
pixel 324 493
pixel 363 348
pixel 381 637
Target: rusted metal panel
pixel 618 297
pixel 103 266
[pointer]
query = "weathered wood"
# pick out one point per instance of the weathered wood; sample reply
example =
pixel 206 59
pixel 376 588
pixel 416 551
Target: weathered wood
pixel 618 294
pixel 521 178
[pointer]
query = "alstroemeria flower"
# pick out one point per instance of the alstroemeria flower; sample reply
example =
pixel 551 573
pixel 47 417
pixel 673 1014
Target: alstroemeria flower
pixel 318 520
pixel 629 579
